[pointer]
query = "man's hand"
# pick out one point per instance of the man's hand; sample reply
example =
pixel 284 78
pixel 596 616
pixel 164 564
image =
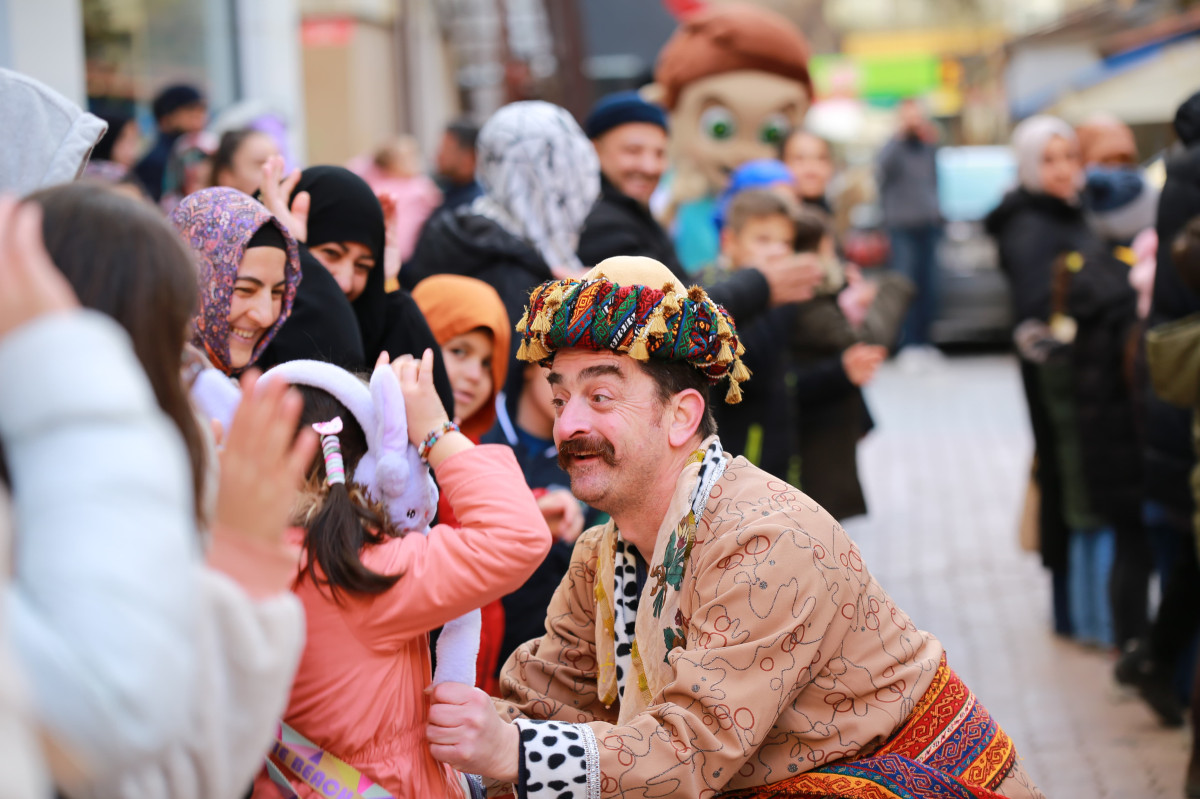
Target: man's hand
pixel 563 515
pixel 860 362
pixel 263 461
pixel 465 731
pixel 792 278
pixel 30 285
pixel 276 191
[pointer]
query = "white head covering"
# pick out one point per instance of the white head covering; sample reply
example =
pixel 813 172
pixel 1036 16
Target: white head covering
pixel 540 178
pixel 1029 141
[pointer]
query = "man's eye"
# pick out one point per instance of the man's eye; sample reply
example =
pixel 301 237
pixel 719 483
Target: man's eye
pixel 558 403
pixel 600 398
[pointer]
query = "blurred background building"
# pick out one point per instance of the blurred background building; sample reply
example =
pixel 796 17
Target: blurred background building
pixel 346 74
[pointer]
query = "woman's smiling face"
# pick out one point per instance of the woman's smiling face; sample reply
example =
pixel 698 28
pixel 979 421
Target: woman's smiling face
pixel 256 302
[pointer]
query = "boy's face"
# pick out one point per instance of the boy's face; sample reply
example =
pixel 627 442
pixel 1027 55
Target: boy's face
pixel 759 241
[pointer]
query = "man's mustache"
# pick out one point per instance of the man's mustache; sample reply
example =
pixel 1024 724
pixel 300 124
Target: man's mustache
pixel 597 446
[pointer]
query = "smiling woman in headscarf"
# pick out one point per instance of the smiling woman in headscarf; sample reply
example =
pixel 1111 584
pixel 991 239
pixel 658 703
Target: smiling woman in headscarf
pixel 249 271
pixel 540 178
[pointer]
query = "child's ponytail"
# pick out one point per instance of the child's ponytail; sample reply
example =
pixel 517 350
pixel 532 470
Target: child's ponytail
pixel 338 518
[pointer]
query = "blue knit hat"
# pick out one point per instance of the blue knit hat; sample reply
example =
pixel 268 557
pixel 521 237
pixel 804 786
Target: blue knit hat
pixel 621 109
pixel 761 173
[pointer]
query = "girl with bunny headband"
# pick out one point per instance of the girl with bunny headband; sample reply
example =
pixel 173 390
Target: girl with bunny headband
pixel 373 586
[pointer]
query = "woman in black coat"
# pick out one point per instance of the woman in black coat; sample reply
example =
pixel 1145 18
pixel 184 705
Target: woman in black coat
pixel 343 314
pixel 1075 310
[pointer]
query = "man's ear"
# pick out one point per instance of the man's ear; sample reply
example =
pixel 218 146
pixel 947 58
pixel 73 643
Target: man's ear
pixel 687 411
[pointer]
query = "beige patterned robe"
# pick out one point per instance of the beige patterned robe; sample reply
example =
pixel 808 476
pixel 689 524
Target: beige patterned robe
pixel 794 655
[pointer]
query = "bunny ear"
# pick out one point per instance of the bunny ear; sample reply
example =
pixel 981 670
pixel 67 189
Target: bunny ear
pixel 392 469
pixel 390 417
pixel 217 396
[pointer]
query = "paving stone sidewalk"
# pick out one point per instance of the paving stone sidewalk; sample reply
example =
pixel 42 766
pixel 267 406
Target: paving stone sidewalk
pixel 945 473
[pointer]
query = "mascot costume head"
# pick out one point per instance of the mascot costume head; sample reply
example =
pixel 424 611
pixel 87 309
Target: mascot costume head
pixel 734 79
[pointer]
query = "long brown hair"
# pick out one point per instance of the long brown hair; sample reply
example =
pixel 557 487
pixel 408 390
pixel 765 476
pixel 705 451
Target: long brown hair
pixel 338 519
pixel 124 260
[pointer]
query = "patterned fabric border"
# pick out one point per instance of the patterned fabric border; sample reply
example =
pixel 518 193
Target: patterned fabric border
pixel 950 748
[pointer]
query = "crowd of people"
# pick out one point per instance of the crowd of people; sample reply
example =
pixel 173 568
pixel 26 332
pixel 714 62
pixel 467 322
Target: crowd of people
pixel 1101 268
pixel 493 484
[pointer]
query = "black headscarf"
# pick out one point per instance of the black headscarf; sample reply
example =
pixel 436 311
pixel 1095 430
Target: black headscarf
pixel 344 208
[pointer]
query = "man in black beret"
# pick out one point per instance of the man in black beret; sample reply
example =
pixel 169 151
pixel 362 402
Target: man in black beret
pixel 630 136
pixel 178 109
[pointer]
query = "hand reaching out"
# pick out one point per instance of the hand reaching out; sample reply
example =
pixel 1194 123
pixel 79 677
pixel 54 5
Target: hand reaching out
pixel 562 513
pixel 861 361
pixel 30 285
pixel 263 461
pixel 792 278
pixel 276 191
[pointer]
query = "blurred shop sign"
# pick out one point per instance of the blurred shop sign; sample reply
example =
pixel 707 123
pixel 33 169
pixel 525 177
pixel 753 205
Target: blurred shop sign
pixel 327 32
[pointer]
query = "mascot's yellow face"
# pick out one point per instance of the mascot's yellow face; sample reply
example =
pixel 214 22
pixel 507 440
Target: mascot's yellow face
pixel 721 122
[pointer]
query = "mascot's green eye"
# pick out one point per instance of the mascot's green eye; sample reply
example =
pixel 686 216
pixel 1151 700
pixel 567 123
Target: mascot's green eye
pixel 717 123
pixel 775 129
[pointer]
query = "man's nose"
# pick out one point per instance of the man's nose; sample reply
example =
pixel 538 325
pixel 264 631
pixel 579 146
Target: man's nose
pixel 573 419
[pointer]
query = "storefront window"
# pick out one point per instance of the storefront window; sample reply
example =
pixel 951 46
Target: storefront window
pixel 135 48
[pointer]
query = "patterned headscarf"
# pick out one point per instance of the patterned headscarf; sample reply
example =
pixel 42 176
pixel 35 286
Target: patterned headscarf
pixel 217 224
pixel 617 307
pixel 540 178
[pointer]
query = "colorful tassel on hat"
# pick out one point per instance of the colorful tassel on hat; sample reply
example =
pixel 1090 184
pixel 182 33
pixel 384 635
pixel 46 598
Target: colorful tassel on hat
pixel 535 351
pixel 541 322
pixel 734 395
pixel 658 324
pixel 524 321
pixel 639 351
pixel 739 372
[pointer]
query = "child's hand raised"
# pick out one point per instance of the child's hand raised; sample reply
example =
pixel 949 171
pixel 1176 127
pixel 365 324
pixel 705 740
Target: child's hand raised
pixel 424 409
pixel 421 403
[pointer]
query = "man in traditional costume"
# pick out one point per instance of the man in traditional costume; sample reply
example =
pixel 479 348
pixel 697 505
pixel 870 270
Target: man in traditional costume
pixel 720 636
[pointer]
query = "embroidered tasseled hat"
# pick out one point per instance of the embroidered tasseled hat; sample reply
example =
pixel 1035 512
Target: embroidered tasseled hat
pixel 636 306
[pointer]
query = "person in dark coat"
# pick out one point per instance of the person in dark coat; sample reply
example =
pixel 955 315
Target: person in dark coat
pixel 630 137
pixel 540 178
pixel 1156 665
pixel 178 110
pixel 344 235
pixel 1075 310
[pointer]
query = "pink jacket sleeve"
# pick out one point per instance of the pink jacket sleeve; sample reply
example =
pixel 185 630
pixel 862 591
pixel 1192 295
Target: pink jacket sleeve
pixel 502 539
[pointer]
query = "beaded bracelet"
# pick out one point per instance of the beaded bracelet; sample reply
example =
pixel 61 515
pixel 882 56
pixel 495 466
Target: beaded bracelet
pixel 435 435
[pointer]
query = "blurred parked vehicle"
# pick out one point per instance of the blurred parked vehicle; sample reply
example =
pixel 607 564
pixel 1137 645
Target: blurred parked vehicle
pixel 973 304
pixel 973 301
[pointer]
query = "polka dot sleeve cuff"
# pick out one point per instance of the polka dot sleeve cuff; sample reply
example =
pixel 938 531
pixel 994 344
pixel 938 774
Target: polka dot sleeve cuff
pixel 558 761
